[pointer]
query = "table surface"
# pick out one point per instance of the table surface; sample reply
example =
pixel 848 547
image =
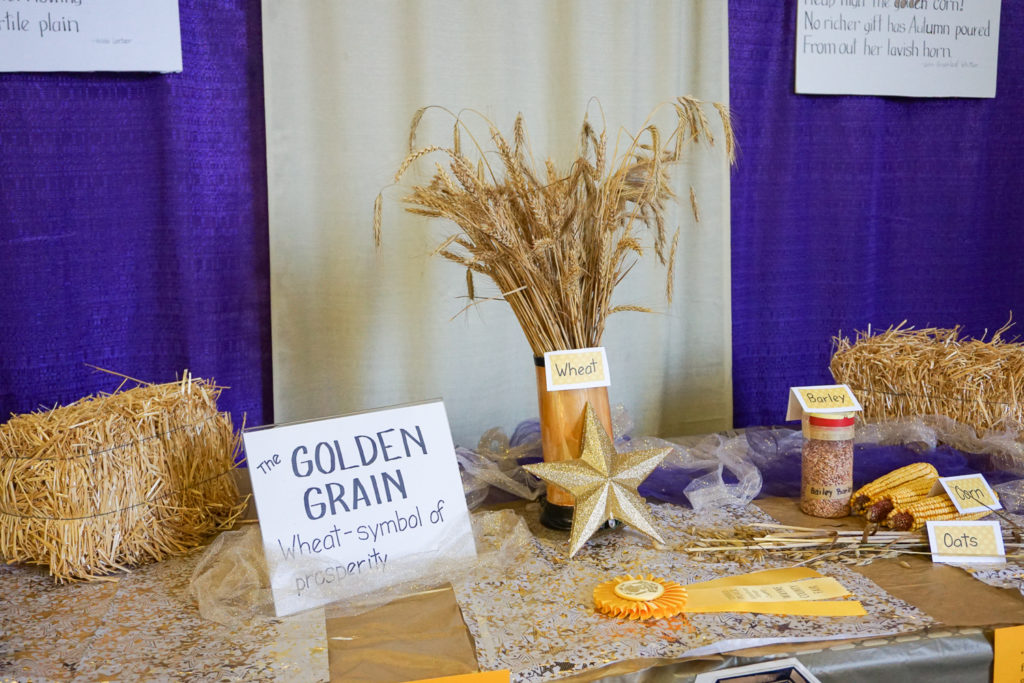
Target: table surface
pixel 144 625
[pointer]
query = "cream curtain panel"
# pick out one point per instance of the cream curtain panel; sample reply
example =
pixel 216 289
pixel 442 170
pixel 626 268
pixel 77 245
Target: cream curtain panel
pixel 355 329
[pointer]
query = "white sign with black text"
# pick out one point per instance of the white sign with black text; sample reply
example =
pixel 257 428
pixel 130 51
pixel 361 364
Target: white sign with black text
pixel 911 48
pixel 350 505
pixel 90 35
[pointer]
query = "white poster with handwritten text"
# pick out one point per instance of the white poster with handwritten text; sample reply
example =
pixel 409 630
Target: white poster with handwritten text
pixel 90 35
pixel 352 505
pixel 910 48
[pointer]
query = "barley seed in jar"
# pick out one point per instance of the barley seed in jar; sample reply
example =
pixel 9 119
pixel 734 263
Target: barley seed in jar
pixel 826 468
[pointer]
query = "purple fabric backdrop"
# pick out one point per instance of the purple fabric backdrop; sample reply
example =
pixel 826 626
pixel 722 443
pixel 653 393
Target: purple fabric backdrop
pixel 850 211
pixel 134 223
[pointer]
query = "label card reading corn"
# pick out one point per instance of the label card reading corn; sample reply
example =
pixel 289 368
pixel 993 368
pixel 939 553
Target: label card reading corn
pixel 833 398
pixel 576 369
pixel 966 542
pixel 970 493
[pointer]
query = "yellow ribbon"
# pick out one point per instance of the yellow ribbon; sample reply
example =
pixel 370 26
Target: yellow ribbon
pixel 795 591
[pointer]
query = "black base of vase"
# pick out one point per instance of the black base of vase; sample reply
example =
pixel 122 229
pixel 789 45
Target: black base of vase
pixel 558 517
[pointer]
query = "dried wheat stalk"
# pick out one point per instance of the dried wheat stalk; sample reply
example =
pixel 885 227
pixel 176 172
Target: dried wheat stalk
pixel 809 546
pixel 555 241
pixel 904 372
pixel 115 481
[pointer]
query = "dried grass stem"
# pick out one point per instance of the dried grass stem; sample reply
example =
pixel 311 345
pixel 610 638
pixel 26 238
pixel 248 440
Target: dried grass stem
pixel 557 242
pixel 115 481
pixel 904 372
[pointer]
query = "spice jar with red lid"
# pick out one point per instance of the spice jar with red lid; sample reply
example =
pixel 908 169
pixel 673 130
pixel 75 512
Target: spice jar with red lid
pixel 826 469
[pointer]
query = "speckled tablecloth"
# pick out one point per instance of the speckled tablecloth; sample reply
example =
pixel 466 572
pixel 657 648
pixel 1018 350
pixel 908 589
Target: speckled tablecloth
pixel 143 627
pixel 536 618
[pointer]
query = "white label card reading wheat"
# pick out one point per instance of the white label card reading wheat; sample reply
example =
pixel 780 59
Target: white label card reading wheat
pixel 576 369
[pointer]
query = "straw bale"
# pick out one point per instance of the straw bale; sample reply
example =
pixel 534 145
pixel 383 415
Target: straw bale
pixel 903 372
pixel 119 480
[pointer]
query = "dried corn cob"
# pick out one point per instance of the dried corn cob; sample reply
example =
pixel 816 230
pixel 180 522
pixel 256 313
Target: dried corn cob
pixel 903 475
pixel 879 507
pixel 934 508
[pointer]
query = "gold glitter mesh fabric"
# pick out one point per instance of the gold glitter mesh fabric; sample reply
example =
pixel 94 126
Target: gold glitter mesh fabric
pixel 1009 575
pixel 143 626
pixel 231 585
pixel 536 616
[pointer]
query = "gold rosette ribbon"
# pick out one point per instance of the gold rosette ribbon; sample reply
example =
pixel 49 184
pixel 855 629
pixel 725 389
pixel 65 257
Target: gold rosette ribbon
pixel 793 591
pixel 640 597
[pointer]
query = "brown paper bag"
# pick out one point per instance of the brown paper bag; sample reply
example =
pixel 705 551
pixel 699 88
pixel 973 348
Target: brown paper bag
pixel 420 636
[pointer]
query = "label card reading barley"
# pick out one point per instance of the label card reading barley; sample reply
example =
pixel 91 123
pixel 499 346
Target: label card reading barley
pixel 969 493
pixel 576 369
pixel 966 542
pixel 829 398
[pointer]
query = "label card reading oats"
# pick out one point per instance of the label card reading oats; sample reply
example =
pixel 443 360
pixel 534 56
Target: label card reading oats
pixel 576 369
pixel 969 493
pixel 833 398
pixel 966 542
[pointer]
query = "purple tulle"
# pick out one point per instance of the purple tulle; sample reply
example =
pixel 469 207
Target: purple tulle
pixel 526 431
pixel 667 485
pixel 777 455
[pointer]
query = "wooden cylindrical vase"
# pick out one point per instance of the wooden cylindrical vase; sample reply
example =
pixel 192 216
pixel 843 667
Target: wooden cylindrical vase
pixel 561 431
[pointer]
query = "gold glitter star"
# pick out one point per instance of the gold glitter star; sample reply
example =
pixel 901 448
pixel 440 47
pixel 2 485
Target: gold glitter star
pixel 603 482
